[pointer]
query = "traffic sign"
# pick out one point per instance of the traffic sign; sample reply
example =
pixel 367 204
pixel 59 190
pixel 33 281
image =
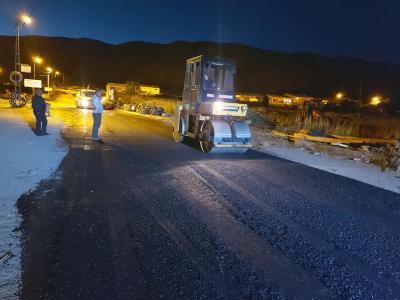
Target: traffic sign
pixel 33 83
pixel 26 68
pixel 16 77
pixel 48 89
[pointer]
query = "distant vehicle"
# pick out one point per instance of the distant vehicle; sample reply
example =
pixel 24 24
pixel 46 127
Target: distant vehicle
pixel 84 99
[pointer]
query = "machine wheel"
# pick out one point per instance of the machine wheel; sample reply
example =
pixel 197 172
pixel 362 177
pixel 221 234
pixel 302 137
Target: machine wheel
pixel 206 137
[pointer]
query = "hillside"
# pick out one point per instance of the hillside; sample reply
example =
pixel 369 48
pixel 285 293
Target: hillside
pixel 89 61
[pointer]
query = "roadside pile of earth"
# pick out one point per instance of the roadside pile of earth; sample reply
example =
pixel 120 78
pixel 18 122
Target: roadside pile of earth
pixel 387 157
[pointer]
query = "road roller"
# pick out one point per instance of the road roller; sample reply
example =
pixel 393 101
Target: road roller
pixel 208 111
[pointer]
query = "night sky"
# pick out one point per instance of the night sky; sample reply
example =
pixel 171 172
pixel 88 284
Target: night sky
pixel 362 29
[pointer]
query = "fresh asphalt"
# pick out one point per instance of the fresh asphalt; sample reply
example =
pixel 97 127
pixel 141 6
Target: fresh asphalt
pixel 140 217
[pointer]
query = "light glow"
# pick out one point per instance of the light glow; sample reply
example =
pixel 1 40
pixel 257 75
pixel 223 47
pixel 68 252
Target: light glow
pixel 339 96
pixel 287 101
pixel 26 19
pixel 375 100
pixel 48 69
pixel 219 106
pixel 37 60
pixel 84 103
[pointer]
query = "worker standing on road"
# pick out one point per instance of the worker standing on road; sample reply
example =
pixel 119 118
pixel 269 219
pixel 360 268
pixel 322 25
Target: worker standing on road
pixel 97 113
pixel 39 110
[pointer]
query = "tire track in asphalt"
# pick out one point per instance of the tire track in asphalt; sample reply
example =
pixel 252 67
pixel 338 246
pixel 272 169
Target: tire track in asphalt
pixel 180 238
pixel 372 239
pixel 128 270
pixel 277 269
pixel 353 266
pixel 325 190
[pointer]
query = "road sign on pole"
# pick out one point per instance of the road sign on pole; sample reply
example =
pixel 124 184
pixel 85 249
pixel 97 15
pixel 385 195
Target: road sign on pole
pixel 26 68
pixel 16 77
pixel 33 83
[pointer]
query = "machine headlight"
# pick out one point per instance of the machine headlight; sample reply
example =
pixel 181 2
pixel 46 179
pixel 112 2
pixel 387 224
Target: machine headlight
pixel 84 103
pixel 219 106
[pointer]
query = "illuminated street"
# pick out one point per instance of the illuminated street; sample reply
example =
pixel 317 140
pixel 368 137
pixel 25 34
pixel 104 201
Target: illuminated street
pixel 143 217
pixel 215 150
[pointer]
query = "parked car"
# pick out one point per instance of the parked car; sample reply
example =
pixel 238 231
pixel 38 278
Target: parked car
pixel 84 99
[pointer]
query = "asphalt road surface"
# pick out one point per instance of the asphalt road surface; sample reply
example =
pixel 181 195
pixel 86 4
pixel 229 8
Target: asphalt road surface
pixel 141 217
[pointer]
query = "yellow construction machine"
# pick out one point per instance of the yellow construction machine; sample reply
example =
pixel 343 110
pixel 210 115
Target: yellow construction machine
pixel 208 111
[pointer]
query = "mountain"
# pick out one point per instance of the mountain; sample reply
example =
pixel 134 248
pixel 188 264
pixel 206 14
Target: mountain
pixel 85 61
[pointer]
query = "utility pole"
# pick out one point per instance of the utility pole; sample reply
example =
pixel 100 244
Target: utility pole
pixel 49 70
pixel 24 19
pixel 36 60
pixel 16 76
pixel 55 78
pixel 17 67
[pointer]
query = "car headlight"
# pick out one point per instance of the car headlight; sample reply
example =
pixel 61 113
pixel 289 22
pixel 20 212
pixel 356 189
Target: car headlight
pixel 84 103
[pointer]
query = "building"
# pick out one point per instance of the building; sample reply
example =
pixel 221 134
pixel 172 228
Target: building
pixel 117 87
pixel 278 100
pixel 249 98
pixel 148 90
pixel 298 100
pixel 116 90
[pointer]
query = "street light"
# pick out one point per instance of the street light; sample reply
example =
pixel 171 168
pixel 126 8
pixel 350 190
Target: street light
pixel 23 19
pixel 26 19
pixel 375 100
pixel 36 60
pixel 49 70
pixel 339 96
pixel 56 73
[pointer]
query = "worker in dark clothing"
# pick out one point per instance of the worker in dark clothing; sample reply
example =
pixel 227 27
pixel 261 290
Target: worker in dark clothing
pixel 39 110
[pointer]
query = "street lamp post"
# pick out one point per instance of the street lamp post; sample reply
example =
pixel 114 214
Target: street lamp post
pixel 49 70
pixel 16 76
pixel 24 19
pixel 56 77
pixel 36 60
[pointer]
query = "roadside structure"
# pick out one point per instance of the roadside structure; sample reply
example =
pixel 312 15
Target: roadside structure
pixel 115 90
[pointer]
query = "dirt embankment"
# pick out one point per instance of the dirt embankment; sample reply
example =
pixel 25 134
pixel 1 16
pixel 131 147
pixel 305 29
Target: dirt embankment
pixel 367 126
pixel 264 120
